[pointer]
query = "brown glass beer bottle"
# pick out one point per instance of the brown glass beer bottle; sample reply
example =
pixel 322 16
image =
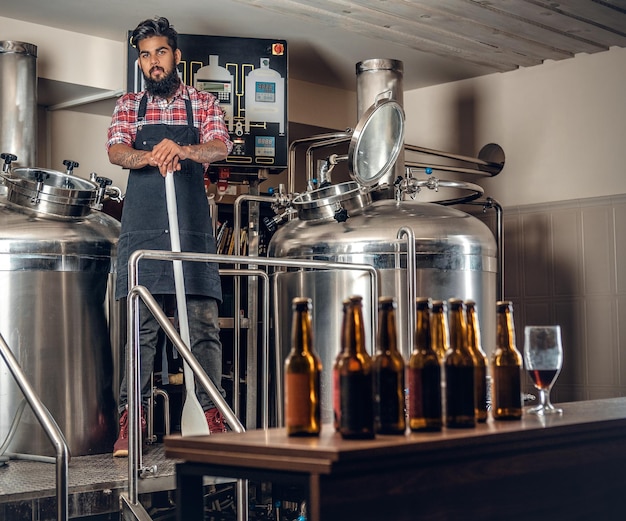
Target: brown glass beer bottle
pixel 459 371
pixel 480 361
pixel 336 390
pixel 388 371
pixel 303 370
pixel 424 374
pixel 356 411
pixel 506 367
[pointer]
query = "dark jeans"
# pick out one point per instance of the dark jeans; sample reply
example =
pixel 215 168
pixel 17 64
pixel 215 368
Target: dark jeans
pixel 204 332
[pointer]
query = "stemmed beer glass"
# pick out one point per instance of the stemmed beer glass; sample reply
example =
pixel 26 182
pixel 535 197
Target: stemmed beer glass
pixel 543 357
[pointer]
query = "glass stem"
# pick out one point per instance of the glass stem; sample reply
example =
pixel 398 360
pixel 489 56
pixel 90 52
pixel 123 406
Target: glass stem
pixel 544 398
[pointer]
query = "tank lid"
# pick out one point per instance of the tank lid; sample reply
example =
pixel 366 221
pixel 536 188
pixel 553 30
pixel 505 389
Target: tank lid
pixel 50 192
pixel 377 141
pixel 14 47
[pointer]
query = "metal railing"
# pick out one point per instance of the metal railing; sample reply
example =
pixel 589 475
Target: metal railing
pixel 49 426
pixel 137 291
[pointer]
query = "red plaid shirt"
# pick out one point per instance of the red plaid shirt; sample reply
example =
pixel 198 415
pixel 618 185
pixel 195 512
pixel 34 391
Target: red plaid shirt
pixel 207 116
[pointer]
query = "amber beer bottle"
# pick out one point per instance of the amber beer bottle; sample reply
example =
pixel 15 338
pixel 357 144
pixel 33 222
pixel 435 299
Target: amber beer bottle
pixel 480 361
pixel 388 371
pixel 302 375
pixel 506 367
pixel 336 390
pixel 459 371
pixel 424 374
pixel 356 411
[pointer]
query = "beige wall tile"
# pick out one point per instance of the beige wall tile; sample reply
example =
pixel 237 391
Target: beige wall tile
pixel 536 254
pixel 598 247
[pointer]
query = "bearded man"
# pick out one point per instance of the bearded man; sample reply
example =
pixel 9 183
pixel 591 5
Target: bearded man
pixel 168 127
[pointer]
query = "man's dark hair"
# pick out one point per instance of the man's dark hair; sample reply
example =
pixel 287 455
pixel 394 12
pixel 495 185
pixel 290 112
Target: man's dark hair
pixel 157 26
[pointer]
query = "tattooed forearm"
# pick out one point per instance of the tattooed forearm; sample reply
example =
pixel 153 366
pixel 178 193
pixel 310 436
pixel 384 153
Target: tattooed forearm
pixel 128 157
pixel 206 152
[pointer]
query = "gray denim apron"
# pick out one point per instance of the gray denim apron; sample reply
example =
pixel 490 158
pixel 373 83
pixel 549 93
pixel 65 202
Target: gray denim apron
pixel 145 223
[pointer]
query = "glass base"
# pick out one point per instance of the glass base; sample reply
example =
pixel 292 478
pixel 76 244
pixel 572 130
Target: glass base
pixel 541 410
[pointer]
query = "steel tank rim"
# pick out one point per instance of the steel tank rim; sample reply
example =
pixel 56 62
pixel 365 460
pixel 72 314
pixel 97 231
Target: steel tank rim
pixel 30 240
pixel 18 47
pixel 438 230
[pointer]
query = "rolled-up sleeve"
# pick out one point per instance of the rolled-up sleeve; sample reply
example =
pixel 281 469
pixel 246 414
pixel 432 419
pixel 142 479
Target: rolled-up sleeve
pixel 213 125
pixel 122 128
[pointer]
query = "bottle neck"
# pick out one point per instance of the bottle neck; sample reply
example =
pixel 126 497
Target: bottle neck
pixel 301 332
pixel 423 338
pixel 440 337
pixel 458 331
pixel 353 338
pixel 473 331
pixel 505 330
pixel 387 336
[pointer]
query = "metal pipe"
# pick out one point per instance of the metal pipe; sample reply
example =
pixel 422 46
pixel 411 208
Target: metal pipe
pixel 310 167
pixel 237 292
pixel 49 426
pixel 411 285
pixel 434 183
pixel 485 167
pixel 277 355
pixel 490 202
pixel 445 168
pixel 500 241
pixel 266 337
pixel 291 163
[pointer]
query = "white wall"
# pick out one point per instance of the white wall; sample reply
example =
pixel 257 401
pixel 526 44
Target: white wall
pixel 321 106
pixel 71 57
pixel 562 126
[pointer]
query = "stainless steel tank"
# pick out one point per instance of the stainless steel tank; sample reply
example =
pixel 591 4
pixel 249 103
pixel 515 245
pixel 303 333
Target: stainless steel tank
pixel 453 255
pixel 18 100
pixel 56 313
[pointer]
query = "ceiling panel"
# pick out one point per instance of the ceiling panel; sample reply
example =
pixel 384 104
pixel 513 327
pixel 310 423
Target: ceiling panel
pixel 438 40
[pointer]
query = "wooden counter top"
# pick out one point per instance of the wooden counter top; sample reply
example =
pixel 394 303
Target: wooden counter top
pixel 584 449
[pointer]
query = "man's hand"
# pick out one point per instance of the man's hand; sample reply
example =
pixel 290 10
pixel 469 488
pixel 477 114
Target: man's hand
pixel 167 156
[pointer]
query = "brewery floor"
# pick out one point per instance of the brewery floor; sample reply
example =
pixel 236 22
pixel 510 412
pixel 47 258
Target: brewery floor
pixel 28 491
pixel 28 488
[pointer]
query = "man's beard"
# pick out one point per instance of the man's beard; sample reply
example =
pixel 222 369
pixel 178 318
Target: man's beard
pixel 165 87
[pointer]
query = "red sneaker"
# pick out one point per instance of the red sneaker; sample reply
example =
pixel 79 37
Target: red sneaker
pixel 120 449
pixel 215 420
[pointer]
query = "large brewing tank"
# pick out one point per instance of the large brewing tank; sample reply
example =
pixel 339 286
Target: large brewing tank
pixel 18 100
pixel 455 254
pixel 57 312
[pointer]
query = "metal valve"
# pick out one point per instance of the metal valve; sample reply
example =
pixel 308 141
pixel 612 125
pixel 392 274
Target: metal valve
pixel 40 177
pixel 114 193
pixel 341 215
pixel 8 159
pixel 272 223
pixel 70 165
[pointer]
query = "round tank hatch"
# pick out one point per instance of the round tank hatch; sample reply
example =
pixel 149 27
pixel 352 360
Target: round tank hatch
pixel 376 142
pixel 50 192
